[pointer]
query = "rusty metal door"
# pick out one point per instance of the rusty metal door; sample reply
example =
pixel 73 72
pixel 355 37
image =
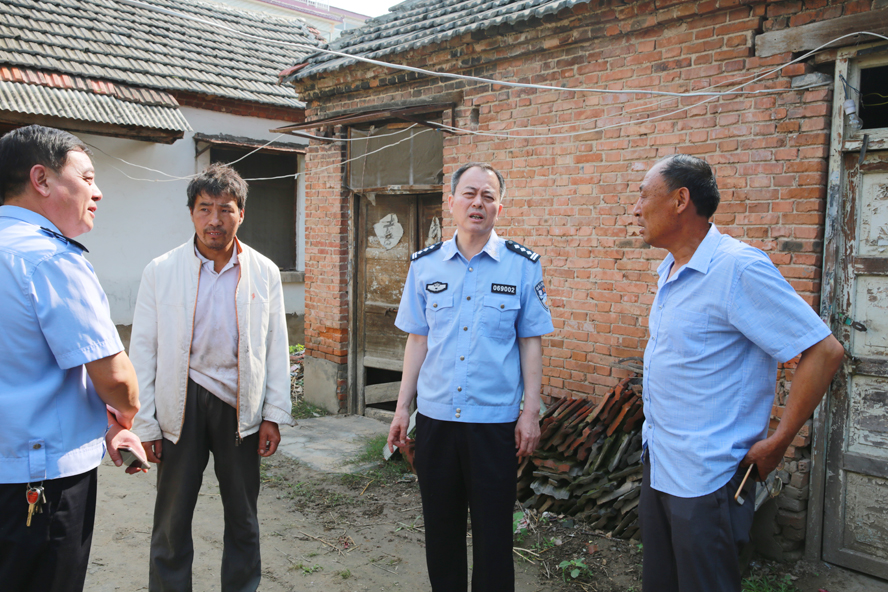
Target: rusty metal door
pixel 390 228
pixel 855 512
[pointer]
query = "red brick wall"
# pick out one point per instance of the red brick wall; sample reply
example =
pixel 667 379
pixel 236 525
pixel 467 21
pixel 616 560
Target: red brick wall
pixel 326 257
pixel 570 198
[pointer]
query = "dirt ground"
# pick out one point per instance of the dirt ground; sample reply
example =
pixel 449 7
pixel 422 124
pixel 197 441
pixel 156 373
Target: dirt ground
pixel 364 532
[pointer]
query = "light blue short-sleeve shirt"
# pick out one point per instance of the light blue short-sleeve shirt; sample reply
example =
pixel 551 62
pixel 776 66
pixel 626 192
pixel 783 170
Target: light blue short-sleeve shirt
pixel 55 319
pixel 473 313
pixel 718 328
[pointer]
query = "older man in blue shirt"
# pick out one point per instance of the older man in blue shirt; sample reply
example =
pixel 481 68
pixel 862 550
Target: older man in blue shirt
pixel 722 319
pixel 63 362
pixel 475 310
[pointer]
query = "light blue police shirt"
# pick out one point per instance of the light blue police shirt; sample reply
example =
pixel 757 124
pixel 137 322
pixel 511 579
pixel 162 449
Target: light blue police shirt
pixel 718 328
pixel 473 312
pixel 55 318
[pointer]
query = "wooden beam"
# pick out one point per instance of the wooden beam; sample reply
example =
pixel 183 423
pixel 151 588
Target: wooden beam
pixel 381 393
pixel 814 35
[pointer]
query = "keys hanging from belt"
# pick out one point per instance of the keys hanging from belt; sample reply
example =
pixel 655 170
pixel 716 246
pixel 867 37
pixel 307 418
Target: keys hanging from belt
pixel 36 498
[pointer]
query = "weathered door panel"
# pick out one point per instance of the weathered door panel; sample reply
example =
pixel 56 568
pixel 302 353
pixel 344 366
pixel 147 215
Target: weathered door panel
pixel 390 229
pixel 856 515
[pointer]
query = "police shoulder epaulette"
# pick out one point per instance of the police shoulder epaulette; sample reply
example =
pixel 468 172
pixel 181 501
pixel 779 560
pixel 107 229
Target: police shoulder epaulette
pixel 522 250
pixel 64 238
pixel 426 251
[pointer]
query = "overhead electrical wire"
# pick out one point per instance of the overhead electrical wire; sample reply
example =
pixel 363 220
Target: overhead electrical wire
pixel 709 96
pixel 313 49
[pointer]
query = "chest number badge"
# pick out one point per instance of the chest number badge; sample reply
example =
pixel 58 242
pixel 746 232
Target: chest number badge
pixel 503 289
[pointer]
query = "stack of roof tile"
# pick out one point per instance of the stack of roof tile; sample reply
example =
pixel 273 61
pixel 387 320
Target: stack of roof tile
pixel 588 462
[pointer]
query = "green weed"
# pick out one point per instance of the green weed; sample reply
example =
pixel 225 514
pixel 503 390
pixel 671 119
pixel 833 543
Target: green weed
pixel 769 583
pixel 304 410
pixel 575 568
pixel 385 472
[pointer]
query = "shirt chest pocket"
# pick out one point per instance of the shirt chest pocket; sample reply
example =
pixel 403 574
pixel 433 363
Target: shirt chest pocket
pixel 500 314
pixel 439 312
pixel 686 331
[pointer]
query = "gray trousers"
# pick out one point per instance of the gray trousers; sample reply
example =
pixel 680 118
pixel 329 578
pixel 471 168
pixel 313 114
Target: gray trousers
pixel 693 544
pixel 209 426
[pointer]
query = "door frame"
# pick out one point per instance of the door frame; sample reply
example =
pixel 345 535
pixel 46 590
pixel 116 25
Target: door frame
pixel 355 400
pixel 842 140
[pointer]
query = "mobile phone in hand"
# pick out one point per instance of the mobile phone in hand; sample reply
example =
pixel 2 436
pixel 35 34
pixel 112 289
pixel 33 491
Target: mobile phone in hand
pixel 130 459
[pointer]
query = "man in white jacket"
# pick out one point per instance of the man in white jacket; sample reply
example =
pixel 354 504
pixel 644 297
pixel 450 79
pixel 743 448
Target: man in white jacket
pixel 209 345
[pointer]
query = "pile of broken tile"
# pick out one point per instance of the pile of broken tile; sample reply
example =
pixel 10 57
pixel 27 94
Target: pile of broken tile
pixel 588 463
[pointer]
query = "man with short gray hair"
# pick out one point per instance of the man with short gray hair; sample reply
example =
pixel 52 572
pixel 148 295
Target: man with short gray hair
pixel 722 319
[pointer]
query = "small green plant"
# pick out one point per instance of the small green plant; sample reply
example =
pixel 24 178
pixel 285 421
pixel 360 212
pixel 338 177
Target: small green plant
pixel 298 348
pixel 307 569
pixel 345 574
pixel 385 472
pixel 575 568
pixel 304 410
pixel 544 545
pixel 519 527
pixel 769 583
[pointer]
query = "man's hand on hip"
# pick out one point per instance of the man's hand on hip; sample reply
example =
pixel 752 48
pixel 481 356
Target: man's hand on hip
pixel 527 434
pixel 765 455
pixel 269 438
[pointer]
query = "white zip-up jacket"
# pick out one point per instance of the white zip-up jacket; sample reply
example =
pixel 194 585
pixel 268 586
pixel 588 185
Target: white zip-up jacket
pixel 160 345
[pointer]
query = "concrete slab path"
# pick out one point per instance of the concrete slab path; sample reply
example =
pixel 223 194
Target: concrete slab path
pixel 331 443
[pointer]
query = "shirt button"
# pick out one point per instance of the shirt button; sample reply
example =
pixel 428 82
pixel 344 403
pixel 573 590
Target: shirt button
pixel 470 269
pixel 465 328
pixel 660 307
pixel 459 388
pixel 435 305
pixel 36 446
pixel 468 297
pixel 457 415
pixel 502 306
pixel 458 410
pixel 461 358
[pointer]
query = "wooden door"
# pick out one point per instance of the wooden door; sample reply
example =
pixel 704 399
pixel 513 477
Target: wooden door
pixel 855 510
pixel 390 229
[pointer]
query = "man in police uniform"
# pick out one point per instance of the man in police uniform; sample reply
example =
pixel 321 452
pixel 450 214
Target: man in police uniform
pixel 475 310
pixel 63 362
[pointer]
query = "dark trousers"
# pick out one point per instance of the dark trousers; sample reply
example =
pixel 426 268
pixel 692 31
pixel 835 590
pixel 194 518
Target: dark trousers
pixel 51 555
pixel 467 467
pixel 209 426
pixel 693 544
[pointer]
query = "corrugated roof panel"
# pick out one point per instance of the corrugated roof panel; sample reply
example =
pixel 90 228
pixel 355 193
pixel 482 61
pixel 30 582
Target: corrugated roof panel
pixel 85 106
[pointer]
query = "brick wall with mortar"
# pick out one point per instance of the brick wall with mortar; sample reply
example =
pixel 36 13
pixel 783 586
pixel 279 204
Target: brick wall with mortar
pixel 570 198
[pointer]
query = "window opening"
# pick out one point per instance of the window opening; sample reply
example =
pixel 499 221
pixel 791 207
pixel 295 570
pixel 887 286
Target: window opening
pixel 270 213
pixel 874 97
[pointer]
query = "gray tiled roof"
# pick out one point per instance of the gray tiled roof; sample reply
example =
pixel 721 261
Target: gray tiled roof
pixel 104 39
pixel 411 25
pixel 32 99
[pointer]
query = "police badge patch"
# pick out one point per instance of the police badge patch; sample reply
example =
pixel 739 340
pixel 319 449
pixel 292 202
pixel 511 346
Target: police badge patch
pixel 540 289
pixel 436 287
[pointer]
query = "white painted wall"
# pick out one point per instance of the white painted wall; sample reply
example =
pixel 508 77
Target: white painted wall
pixel 139 219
